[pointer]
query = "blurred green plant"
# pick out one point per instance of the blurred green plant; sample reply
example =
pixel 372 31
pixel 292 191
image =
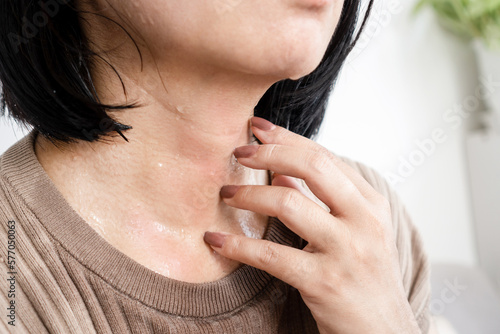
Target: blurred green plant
pixel 470 18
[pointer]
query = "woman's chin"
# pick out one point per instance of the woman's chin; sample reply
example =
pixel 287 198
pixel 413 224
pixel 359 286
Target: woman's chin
pixel 292 72
pixel 303 72
pixel 301 60
pixel 299 68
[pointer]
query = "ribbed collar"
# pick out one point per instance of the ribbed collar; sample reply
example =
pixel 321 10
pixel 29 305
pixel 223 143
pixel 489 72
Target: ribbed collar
pixel 25 175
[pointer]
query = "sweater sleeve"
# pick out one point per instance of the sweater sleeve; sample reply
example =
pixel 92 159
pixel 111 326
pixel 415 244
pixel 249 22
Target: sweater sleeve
pixel 413 260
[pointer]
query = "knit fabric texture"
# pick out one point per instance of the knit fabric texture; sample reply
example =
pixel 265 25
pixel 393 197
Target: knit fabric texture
pixel 68 279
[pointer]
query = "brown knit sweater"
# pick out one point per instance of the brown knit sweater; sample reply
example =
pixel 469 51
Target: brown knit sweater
pixel 60 276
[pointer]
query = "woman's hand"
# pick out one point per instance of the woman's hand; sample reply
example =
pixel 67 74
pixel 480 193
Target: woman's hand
pixel 348 274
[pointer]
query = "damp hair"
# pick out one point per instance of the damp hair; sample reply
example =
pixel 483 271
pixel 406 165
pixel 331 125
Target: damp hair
pixel 45 63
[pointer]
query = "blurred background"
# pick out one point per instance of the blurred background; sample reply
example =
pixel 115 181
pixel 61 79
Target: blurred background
pixel 419 100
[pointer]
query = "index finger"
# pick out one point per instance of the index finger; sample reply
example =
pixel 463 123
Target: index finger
pixel 289 264
pixel 269 133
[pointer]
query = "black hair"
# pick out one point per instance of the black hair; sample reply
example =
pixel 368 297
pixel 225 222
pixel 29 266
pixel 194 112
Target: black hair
pixel 45 63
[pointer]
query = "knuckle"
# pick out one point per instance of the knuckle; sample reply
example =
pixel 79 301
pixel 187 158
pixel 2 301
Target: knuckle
pixel 325 282
pixel 268 255
pixel 272 151
pixel 360 253
pixel 323 150
pixel 320 162
pixel 329 283
pixel 385 205
pixel 381 202
pixel 232 245
pixel 349 189
pixel 290 201
pixel 380 214
pixel 305 267
pixel 376 222
pixel 358 248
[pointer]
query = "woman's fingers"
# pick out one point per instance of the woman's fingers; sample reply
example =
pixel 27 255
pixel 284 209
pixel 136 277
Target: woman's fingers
pixel 323 177
pixel 292 182
pixel 269 133
pixel 300 214
pixel 291 265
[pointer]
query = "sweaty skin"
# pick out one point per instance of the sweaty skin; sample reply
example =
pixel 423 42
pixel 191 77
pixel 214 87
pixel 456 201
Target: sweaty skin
pixel 205 65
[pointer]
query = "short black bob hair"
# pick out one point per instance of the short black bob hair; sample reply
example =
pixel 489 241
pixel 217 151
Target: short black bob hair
pixel 45 66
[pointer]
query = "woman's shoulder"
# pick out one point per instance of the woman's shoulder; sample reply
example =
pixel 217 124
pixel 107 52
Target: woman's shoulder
pixel 412 256
pixel 413 259
pixel 373 177
pixel 381 185
pixel 400 216
pixel 16 156
pixel 6 198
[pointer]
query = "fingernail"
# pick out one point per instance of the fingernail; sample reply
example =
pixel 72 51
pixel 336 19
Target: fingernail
pixel 245 151
pixel 228 191
pixel 215 239
pixel 262 123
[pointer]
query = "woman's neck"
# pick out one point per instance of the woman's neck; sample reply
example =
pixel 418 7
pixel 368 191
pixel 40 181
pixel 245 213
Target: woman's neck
pixel 159 192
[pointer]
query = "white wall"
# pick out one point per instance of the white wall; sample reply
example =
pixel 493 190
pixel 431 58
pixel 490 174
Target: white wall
pixel 394 91
pixel 398 88
pixel 484 164
pixel 9 133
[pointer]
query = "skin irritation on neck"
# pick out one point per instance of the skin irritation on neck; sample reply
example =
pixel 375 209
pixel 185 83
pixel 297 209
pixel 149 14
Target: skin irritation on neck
pixel 203 71
pixel 154 197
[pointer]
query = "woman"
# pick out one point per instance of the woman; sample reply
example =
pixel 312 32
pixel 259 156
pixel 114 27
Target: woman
pixel 149 199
